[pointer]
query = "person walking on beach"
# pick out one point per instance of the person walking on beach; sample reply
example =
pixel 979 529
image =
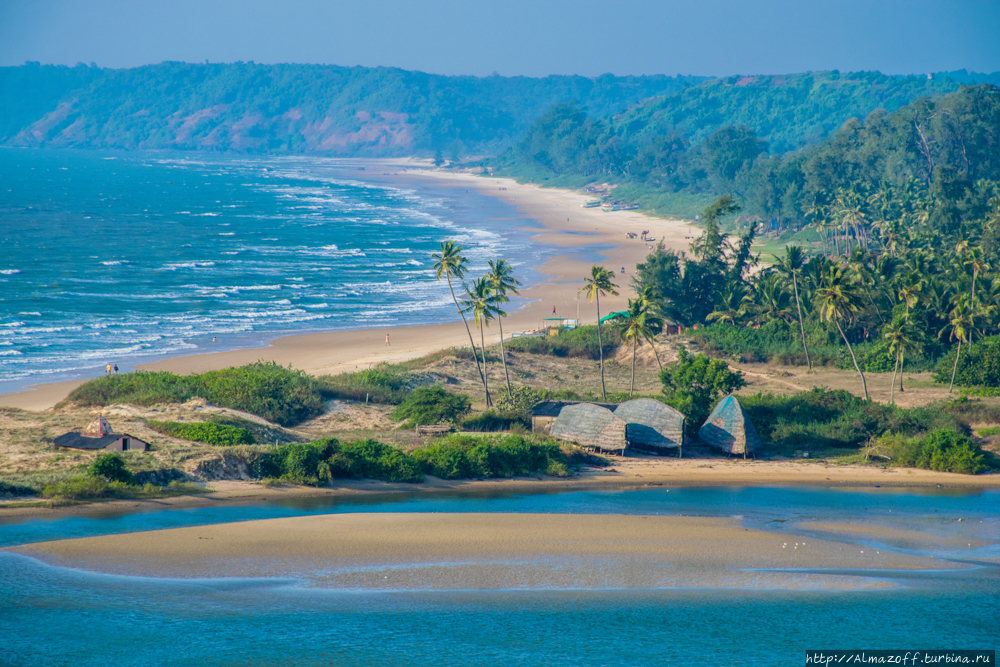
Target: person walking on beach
pixel 553 310
pixel 387 340
pixel 108 371
pixel 116 369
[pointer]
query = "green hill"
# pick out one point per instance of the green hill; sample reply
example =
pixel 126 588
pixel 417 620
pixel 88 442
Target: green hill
pixel 320 109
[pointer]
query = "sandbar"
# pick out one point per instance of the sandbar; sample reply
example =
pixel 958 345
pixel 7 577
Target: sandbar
pixel 435 551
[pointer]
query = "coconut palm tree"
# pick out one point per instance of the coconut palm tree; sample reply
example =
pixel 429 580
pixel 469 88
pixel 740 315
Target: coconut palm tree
pixel 481 302
pixel 450 263
pixel 973 256
pixel 596 284
pixel 790 265
pixel 638 323
pixel 837 300
pixel 902 336
pixel 732 304
pixel 959 326
pixel 502 281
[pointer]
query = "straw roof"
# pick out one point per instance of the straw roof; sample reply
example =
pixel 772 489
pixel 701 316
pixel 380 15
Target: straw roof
pixel 651 424
pixel 729 428
pixel 590 425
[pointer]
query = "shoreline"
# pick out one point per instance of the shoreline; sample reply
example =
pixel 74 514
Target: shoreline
pixel 628 474
pixel 563 223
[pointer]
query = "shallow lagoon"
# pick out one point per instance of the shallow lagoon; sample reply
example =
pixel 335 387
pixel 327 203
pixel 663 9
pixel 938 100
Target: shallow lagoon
pixel 132 620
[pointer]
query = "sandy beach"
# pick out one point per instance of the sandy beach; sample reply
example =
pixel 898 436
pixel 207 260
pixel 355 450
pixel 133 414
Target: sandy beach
pixel 565 223
pixel 483 551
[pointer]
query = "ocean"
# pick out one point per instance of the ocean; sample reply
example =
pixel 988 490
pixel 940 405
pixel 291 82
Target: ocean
pixel 62 616
pixel 123 258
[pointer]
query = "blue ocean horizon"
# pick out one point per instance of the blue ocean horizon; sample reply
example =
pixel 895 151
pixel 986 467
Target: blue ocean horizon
pixel 125 258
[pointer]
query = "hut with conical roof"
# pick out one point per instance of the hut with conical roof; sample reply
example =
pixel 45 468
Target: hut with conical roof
pixel 652 426
pixel 590 425
pixel 729 428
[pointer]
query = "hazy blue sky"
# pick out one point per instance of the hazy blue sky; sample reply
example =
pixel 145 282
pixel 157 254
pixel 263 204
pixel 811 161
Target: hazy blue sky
pixel 529 37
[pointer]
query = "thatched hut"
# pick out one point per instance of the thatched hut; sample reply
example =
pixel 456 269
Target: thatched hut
pixel 652 426
pixel 590 425
pixel 729 428
pixel 544 414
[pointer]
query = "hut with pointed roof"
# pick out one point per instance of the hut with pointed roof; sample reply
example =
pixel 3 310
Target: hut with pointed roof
pixel 652 426
pixel 99 435
pixel 729 428
pixel 590 425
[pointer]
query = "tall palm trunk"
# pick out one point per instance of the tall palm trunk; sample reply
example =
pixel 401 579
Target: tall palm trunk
pixel 486 370
pixel 503 358
pixel 472 341
pixel 631 388
pixel 892 385
pixel 802 327
pixel 972 299
pixel 955 367
pixel 850 349
pixel 600 347
pixel 902 356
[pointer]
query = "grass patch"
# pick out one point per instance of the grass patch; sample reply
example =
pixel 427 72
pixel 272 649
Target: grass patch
pixel 383 384
pixel 460 457
pixel 580 342
pixel 430 405
pixel 278 394
pixel 220 435
pixel 89 487
pixel 942 450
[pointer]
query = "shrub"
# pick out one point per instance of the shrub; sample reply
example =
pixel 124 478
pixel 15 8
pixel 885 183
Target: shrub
pixel 111 467
pixel 835 418
pixel 580 342
pixel 978 365
pixel 9 489
pixel 493 420
pixel 317 462
pixel 89 487
pixel 430 405
pixel 381 384
pixel 458 456
pixel 944 450
pixel 209 433
pixel 276 393
pixel 694 383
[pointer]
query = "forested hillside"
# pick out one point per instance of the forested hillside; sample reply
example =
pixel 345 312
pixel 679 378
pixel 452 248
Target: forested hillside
pixel 329 110
pixel 953 136
pixel 322 109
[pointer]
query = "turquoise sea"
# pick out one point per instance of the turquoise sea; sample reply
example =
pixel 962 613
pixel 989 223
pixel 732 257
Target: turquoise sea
pixel 62 616
pixel 129 257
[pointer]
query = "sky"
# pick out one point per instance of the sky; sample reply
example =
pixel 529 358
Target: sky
pixel 515 37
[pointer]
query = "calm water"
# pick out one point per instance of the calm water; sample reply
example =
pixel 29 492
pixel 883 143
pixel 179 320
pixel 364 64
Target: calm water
pixel 58 616
pixel 121 258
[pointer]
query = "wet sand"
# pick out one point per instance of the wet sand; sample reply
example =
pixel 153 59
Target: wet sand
pixel 564 223
pixel 484 551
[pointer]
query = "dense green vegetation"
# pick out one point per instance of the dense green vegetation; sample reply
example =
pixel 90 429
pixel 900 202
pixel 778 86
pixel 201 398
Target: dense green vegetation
pixel 265 389
pixel 930 137
pixel 290 108
pixel 221 435
pixel 381 384
pixel 695 383
pixel 430 405
pixel 452 457
pixel 108 477
pixel 580 342
pixel 978 365
pixel 943 450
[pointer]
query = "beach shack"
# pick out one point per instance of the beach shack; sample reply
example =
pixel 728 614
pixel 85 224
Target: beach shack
pixel 592 426
pixel 729 428
pixel 99 435
pixel 652 426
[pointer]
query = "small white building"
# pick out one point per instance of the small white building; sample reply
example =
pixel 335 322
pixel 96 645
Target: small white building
pixel 99 435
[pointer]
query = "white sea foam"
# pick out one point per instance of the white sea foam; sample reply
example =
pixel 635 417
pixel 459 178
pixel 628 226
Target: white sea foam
pixel 31 312
pixel 10 272
pixel 116 262
pixel 10 353
pixel 12 324
pixel 227 233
